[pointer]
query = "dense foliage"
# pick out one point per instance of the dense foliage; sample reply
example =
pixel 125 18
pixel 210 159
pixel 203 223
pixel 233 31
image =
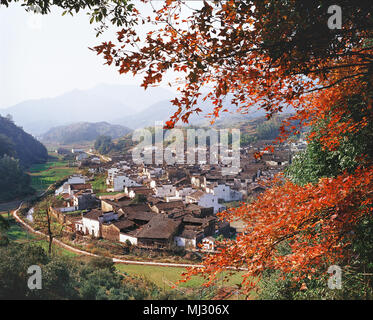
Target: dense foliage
pixel 14 182
pixel 19 144
pixel 18 149
pixel 266 130
pixel 66 278
pixel 103 144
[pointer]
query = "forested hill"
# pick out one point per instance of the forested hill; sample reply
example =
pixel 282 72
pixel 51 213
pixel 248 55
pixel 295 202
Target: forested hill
pixel 15 142
pixel 83 131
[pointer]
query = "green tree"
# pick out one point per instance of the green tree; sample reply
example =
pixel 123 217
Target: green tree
pixel 6 146
pixel 4 227
pixel 103 144
pixel 13 181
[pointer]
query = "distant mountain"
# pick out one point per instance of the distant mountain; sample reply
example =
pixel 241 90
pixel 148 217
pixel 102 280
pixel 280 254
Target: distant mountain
pixel 101 103
pixel 131 106
pixel 83 131
pixel 17 143
pixel 160 111
pixel 163 110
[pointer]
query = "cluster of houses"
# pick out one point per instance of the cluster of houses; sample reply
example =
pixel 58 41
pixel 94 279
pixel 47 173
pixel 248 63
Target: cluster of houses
pixel 79 155
pixel 154 206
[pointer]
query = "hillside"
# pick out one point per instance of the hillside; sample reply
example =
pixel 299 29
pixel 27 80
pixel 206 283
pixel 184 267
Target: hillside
pixel 83 131
pixel 21 145
pixel 18 150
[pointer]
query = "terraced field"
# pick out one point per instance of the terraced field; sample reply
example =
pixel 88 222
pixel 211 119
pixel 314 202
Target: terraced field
pixel 43 175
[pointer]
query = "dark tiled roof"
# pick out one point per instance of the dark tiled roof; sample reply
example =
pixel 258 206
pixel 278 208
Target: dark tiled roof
pixel 118 204
pixel 193 207
pixel 197 194
pixel 133 208
pixel 93 214
pixel 191 219
pixel 141 215
pixel 190 233
pixel 169 205
pixel 113 197
pixel 124 224
pixel 80 186
pixel 159 227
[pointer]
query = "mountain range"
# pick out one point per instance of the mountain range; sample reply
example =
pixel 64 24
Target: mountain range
pixel 127 105
pixel 101 103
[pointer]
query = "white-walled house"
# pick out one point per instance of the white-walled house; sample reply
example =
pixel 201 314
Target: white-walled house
pixel 225 193
pixel 183 192
pixel 210 200
pixel 152 172
pixel 198 181
pixel 117 180
pixel 165 191
pixel 182 241
pixel 123 237
pixel 91 222
pixel 111 173
pixel 180 194
pixel 122 181
pixel 65 188
pixel 206 200
pixel 77 179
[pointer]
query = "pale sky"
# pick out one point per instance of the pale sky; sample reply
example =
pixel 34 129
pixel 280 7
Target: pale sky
pixel 45 56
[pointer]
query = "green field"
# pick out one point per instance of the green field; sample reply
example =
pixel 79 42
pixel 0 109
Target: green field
pixel 108 193
pixel 173 274
pixel 99 184
pixel 43 175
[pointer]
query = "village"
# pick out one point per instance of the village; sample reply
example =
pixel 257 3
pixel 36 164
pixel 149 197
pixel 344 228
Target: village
pixel 160 206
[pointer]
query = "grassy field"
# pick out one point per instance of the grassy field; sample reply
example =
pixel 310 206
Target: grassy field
pixel 99 184
pixel 173 274
pixel 108 193
pixel 43 175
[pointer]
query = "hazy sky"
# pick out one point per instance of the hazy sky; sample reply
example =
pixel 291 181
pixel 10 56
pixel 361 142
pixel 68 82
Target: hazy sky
pixel 44 56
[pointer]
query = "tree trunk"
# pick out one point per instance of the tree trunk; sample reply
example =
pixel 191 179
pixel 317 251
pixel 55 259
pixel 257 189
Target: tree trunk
pixel 50 235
